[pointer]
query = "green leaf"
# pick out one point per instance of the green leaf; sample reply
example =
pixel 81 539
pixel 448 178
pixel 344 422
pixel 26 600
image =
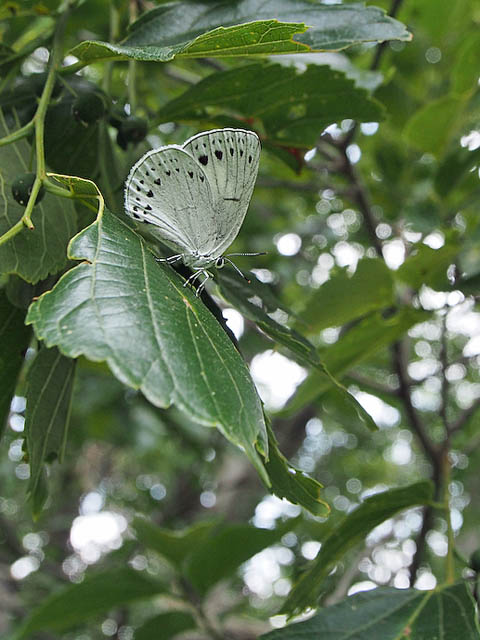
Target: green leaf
pixel 293 106
pixel 356 345
pixel 454 167
pixel 256 301
pixel 200 29
pixel 31 254
pixel 465 69
pixel 96 594
pixel 222 552
pixel 350 532
pixel 431 127
pixel 240 295
pixel 344 298
pixel 47 415
pixel 15 338
pixel 165 626
pixel 447 612
pixel 429 266
pixel 292 483
pixel 175 546
pixel 122 307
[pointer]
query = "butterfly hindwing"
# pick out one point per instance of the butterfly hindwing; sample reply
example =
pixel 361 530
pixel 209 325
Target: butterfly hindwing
pixel 229 159
pixel 169 189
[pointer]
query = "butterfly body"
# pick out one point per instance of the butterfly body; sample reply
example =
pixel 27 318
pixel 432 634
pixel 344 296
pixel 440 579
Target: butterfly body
pixel 196 196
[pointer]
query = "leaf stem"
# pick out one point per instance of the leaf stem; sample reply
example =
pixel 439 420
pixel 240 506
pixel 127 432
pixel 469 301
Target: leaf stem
pixel 18 134
pixel 450 559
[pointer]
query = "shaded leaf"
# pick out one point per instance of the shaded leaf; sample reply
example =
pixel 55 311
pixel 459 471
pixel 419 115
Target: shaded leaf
pixel 292 483
pixel 165 626
pixel 31 254
pixel 175 546
pixel 199 29
pixel 343 298
pixel 293 106
pixel 123 307
pixel 447 612
pixel 239 294
pixel 47 415
pixel 222 552
pixel 454 167
pixel 429 266
pixel 96 594
pixel 15 338
pixel 350 532
pixel 465 70
pixel 356 345
pixel 431 127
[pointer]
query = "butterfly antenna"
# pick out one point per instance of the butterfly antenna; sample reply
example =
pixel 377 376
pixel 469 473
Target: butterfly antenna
pixel 235 266
pixel 260 253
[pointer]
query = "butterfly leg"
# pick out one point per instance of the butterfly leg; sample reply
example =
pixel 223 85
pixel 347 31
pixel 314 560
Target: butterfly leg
pixel 201 287
pixel 170 259
pixel 194 276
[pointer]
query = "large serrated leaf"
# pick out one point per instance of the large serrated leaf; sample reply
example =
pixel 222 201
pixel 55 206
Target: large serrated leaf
pixel 349 532
pixel 122 307
pixel 15 338
pixel 96 594
pixel 47 415
pixel 293 106
pixel 246 27
pixel 446 613
pixel 31 254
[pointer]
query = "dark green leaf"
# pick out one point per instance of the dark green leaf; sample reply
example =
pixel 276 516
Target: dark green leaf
pixel 356 345
pixel 123 307
pixel 96 594
pixel 385 613
pixel 165 626
pixel 15 338
pixel 465 70
pixel 47 415
pixel 200 29
pixel 239 294
pixel 431 128
pixel 31 254
pixel 350 532
pixel 292 483
pixel 429 266
pixel 256 301
pixel 344 298
pixel 222 552
pixel 175 546
pixel 454 167
pixel 294 107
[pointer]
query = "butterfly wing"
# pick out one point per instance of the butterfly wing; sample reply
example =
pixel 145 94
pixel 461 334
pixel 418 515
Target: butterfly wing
pixel 229 159
pixel 168 189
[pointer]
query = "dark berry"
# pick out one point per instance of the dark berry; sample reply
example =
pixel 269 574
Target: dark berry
pixel 22 188
pixel 132 129
pixel 88 108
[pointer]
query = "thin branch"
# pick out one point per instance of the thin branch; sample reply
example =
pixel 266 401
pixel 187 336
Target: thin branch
pixel 445 384
pixel 412 415
pixel 464 417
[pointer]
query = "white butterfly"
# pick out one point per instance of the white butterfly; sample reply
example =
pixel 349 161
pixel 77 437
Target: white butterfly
pixel 196 195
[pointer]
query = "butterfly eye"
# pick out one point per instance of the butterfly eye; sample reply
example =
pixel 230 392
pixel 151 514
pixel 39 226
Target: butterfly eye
pixel 220 263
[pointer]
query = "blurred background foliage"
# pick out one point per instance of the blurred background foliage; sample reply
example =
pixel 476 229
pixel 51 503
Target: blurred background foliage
pixel 387 175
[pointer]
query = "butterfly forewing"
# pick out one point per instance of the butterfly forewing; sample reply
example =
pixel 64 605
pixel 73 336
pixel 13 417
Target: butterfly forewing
pixel 229 159
pixel 169 189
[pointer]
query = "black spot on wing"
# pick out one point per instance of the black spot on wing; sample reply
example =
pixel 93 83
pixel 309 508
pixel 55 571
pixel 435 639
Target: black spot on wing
pixel 158 181
pixel 231 151
pixel 219 154
pixel 203 160
pixel 190 173
pixel 150 194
